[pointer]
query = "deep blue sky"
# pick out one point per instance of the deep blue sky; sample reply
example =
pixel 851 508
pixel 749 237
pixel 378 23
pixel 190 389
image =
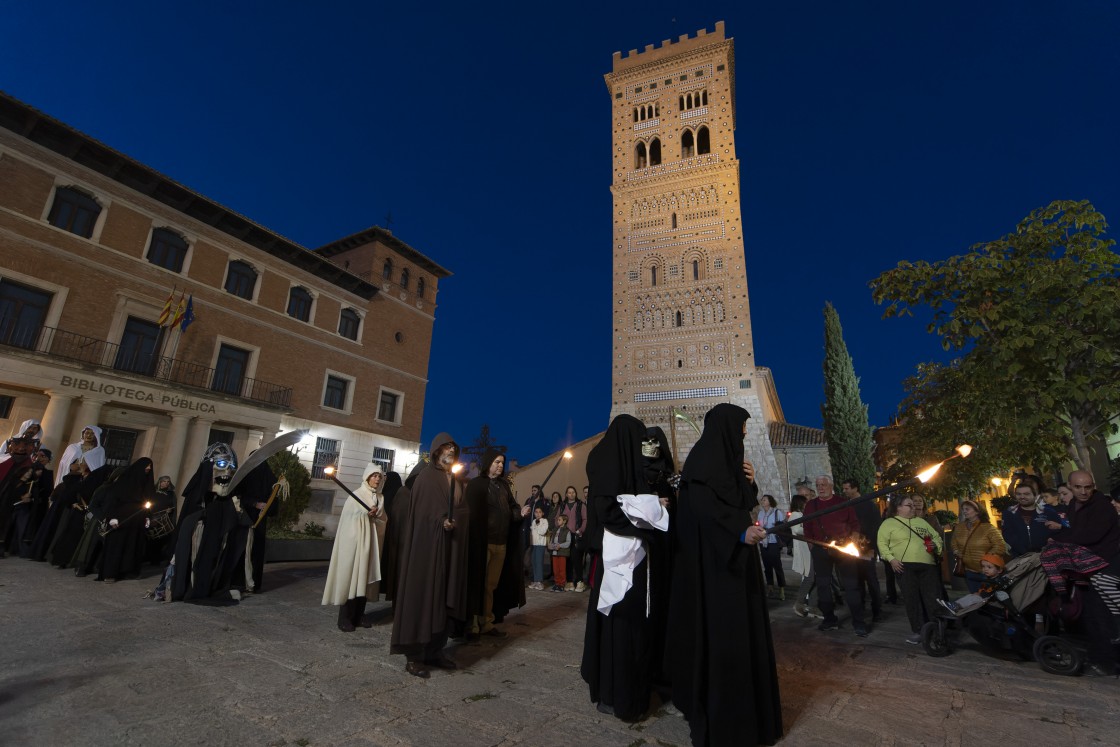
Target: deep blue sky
pixel 868 132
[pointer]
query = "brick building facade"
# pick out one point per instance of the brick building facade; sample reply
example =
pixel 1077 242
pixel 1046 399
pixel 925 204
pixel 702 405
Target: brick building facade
pixel 335 340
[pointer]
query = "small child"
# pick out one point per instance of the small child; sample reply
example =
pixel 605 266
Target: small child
pixel 539 536
pixel 991 565
pixel 560 546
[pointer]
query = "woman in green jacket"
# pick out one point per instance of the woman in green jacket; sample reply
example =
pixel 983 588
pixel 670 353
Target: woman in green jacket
pixel 911 545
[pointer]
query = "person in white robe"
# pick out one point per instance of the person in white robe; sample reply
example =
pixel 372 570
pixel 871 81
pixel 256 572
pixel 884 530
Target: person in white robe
pixel 355 569
pixel 87 449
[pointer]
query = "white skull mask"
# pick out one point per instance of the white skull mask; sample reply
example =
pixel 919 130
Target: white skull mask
pixel 224 462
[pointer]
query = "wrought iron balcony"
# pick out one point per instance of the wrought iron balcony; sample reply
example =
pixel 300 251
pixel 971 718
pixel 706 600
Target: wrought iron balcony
pixel 70 346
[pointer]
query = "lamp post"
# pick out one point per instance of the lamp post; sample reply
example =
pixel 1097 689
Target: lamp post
pixel 566 455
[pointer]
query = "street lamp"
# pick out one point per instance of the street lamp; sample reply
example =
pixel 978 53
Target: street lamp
pixel 566 455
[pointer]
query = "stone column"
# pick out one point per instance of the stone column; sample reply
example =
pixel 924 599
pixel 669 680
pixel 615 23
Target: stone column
pixel 197 441
pixel 89 412
pixel 172 460
pixel 53 422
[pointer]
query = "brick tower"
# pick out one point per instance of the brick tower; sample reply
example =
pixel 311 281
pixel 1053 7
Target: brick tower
pixel 680 313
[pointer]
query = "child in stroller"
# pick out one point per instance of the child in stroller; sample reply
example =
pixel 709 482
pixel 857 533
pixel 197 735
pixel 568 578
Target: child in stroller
pixel 991 565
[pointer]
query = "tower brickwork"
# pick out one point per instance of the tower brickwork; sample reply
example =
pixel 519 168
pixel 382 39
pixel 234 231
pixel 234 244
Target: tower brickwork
pixel 681 314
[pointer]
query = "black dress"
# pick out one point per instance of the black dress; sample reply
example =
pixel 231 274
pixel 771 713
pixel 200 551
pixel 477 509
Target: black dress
pixel 128 502
pixel 720 653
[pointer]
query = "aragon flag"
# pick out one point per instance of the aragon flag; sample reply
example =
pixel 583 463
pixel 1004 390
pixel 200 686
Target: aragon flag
pixel 165 315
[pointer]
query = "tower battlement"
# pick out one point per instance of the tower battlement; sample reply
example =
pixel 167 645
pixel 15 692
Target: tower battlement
pixel 668 48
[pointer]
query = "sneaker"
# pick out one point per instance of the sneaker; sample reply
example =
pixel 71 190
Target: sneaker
pixel 951 606
pixel 914 639
pixel 581 586
pixel 569 586
pixel 862 632
pixel 800 610
pixel 833 624
pixel 815 612
pixel 557 587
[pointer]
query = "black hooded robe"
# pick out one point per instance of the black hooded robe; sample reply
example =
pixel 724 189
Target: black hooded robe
pixel 619 649
pixel 720 653
pixel 123 548
pixel 395 497
pixel 62 499
pixel 205 577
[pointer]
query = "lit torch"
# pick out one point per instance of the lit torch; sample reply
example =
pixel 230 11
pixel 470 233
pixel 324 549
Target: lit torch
pixel 455 469
pixel 331 471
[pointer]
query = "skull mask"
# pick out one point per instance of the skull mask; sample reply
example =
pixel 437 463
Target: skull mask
pixel 224 462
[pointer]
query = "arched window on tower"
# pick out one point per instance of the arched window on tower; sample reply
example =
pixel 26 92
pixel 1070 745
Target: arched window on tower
pixel 419 287
pixel 682 103
pixel 703 141
pixel 640 156
pixel 704 97
pixel 674 220
pixel 695 269
pixel 654 152
pixel 635 114
pixel 688 145
pixel 387 270
pixel 653 275
pixel 404 278
pixel 678 319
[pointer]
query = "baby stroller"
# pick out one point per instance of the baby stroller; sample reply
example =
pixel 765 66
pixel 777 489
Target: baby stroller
pixel 1022 616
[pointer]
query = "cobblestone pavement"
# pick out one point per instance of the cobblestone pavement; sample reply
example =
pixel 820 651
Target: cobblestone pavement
pixel 85 663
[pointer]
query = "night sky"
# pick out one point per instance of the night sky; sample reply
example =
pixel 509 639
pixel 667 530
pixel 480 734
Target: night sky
pixel 868 133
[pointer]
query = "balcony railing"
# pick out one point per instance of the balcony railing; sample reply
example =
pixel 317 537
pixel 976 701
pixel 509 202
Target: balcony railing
pixel 70 346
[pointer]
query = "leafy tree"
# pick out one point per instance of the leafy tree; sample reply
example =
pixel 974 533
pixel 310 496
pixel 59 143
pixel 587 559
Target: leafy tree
pixel 299 482
pixel 846 428
pixel 1035 316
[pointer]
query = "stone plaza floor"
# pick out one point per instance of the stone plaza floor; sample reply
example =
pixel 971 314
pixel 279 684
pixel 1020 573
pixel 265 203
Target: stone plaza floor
pixel 86 663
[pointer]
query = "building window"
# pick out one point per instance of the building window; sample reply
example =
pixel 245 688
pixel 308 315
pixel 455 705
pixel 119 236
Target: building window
pixel 387 270
pixel 219 436
pixel 404 278
pixel 420 287
pixel 334 393
pixel 653 275
pixel 74 211
pixel 718 264
pixel 326 454
pixel 229 373
pixel 677 321
pixel 388 406
pixel 695 269
pixel 384 457
pixel 640 156
pixel 688 145
pixel 654 152
pixel 241 279
pixel 348 322
pixel 167 250
pixel 137 351
pixel 703 141
pixel 6 403
pixel 299 304
pixel 22 312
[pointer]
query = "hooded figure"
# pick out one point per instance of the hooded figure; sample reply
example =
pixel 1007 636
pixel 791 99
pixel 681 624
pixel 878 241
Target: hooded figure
pixel 127 507
pixel 36 435
pixel 355 557
pixel 721 655
pixel 426 590
pixel 620 647
pixel 62 498
pixel 71 524
pixel 88 450
pixel 395 502
pixel 494 567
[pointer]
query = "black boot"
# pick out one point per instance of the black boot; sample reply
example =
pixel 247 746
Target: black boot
pixel 358 612
pixel 345 617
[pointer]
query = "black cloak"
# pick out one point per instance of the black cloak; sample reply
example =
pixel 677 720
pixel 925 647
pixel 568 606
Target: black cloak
pixel 123 548
pixel 61 501
pixel 510 592
pixel 208 577
pixel 427 591
pixel 72 522
pixel 619 649
pixel 720 654
pixel 396 497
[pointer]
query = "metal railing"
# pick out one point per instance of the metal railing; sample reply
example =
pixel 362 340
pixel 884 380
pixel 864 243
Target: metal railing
pixel 70 346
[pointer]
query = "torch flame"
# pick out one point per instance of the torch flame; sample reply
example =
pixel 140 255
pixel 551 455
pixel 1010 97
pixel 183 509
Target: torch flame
pixel 328 470
pixel 964 450
pixel 927 474
pixel 148 504
pixel 456 468
pixel 848 549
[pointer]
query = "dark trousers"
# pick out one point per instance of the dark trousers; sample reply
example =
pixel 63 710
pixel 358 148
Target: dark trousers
pixel 825 563
pixel 921 586
pixel 575 560
pixel 869 574
pixel 260 537
pixel 772 563
pixel 892 586
pixel 352 612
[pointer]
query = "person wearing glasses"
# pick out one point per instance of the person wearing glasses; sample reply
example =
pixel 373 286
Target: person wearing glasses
pixel 911 546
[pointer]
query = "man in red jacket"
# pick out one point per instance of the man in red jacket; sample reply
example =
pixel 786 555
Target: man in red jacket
pixel 839 527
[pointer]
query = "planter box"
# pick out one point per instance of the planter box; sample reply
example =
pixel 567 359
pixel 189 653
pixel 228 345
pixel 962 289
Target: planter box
pixel 295 550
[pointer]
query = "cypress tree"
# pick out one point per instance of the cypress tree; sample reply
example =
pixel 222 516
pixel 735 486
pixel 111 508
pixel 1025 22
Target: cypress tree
pixel 846 427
